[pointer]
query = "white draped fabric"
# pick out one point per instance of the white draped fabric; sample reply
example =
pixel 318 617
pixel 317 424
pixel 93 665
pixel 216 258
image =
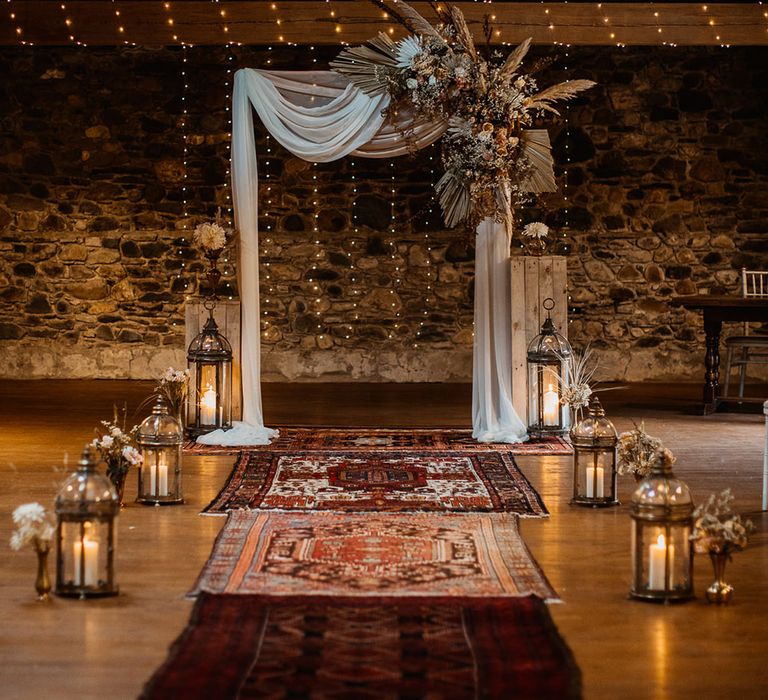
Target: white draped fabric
pixel 319 116
pixel 494 419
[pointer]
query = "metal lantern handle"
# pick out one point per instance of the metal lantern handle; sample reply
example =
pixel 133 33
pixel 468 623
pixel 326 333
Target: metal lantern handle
pixel 548 304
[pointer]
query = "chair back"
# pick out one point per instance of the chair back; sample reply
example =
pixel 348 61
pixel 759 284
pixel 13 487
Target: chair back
pixel 754 283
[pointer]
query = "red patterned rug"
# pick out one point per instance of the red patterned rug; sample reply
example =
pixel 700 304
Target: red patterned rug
pixel 379 480
pixel 372 554
pixel 386 439
pixel 377 648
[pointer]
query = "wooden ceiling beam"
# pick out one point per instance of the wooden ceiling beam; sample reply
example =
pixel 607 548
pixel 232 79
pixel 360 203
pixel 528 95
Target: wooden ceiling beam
pixel 153 22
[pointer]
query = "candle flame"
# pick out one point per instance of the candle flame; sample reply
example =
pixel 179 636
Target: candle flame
pixel 660 541
pixel 209 398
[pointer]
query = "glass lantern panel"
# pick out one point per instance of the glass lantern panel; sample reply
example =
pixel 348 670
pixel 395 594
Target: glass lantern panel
pixel 594 473
pixel 550 396
pixel 225 402
pixel 159 475
pixel 84 553
pixel 661 557
pixel 192 395
pixel 544 409
pixel 208 395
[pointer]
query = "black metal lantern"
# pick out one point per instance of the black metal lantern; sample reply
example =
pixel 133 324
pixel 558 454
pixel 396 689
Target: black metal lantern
pixel 662 555
pixel 159 438
pixel 548 355
pixel 86 512
pixel 209 402
pixel 594 442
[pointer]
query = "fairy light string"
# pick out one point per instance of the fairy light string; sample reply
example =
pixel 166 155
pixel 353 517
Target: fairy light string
pixel 229 219
pixel 18 27
pixel 69 23
pixel 183 242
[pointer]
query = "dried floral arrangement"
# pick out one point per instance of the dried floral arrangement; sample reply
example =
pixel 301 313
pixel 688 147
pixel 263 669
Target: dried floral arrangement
pixel 639 453
pixel 116 448
pixel 491 155
pixel 173 387
pixel 575 382
pixel 717 529
pixel 210 237
pixel 33 527
pixel 535 229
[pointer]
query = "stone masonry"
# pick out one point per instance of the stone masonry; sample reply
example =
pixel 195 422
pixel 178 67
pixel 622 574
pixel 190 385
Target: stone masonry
pixel 664 190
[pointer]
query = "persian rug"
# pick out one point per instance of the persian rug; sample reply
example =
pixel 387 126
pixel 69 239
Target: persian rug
pixel 474 554
pixel 401 481
pixel 378 648
pixel 386 439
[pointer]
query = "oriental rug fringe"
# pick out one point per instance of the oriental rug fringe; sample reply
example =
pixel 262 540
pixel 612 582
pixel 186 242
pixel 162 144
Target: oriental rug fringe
pixel 386 439
pixel 238 646
pixel 378 480
pixel 372 554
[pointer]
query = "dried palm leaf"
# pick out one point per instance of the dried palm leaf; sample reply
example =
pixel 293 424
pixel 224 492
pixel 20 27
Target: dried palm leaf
pixel 439 10
pixel 562 91
pixel 537 151
pixel 515 59
pixel 454 198
pixel 463 33
pixel 416 23
pixel 362 65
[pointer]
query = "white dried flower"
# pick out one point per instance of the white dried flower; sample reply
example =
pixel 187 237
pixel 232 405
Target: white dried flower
pixel 407 49
pixel 536 229
pixel 173 376
pixel 132 456
pixel 210 237
pixel 33 526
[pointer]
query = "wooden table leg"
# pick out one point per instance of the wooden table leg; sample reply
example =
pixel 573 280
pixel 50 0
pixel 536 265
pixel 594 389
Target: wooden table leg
pixel 712 327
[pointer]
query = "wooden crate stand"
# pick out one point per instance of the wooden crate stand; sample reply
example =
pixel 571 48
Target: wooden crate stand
pixel 534 279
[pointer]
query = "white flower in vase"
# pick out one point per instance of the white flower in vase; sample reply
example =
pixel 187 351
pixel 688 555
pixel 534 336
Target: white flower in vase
pixel 536 229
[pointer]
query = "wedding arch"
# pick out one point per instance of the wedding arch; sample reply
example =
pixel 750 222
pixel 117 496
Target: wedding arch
pixel 322 116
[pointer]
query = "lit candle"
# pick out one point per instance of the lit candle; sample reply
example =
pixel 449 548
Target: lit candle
pixel 151 473
pixel 657 563
pixel 208 407
pixel 551 406
pixel 91 563
pixel 593 492
pixel 162 476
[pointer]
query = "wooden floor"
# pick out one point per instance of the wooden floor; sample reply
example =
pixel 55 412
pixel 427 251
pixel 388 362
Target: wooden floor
pixel 626 649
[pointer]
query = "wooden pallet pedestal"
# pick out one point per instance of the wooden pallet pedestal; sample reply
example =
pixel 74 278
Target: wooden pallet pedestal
pixel 227 317
pixel 534 279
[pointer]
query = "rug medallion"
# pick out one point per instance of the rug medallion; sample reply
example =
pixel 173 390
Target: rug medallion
pixel 402 481
pixel 372 554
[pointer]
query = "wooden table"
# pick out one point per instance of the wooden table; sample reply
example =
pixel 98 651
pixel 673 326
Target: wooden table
pixel 717 309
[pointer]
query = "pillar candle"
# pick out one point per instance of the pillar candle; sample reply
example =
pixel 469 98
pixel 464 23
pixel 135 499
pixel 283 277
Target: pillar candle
pixel 152 474
pixel 208 407
pixel 162 479
pixel 551 406
pixel 591 492
pixel 91 567
pixel 657 563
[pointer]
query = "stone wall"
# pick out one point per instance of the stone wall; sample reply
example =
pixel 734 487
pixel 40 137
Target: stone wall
pixel 664 166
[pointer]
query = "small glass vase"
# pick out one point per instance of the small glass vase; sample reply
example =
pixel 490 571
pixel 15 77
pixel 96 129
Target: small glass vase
pixel 213 273
pixel 43 581
pixel 719 591
pixel 535 246
pixel 118 476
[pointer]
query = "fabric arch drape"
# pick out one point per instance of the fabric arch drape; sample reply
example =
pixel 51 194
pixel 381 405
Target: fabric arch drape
pixel 319 116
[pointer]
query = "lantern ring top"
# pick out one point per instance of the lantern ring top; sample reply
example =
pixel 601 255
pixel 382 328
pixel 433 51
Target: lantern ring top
pixel 548 303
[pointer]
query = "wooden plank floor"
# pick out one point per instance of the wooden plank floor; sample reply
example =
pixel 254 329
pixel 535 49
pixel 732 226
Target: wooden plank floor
pixel 627 649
